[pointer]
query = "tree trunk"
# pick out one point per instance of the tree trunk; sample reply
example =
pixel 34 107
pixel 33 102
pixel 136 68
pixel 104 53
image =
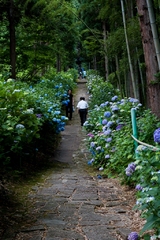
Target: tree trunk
pixel 128 52
pixel 143 87
pixel 95 63
pixel 58 63
pixel 105 51
pixel 154 30
pixel 12 40
pixel 118 76
pixel 152 87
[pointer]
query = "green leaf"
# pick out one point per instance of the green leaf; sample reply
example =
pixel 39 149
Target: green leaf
pixel 149 224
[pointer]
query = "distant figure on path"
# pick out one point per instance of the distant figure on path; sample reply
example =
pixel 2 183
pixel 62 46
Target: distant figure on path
pixel 69 107
pixel 84 74
pixel 82 107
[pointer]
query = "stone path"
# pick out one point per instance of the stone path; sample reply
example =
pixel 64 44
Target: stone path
pixel 72 203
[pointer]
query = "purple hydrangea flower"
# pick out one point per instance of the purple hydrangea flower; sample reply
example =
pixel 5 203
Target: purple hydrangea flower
pixel 107 114
pixel 39 115
pixel 156 135
pixel 138 187
pixel 119 127
pixel 133 236
pixel 130 169
pixel 109 124
pixel 90 135
pixel 132 166
pixel 104 121
pixel 107 156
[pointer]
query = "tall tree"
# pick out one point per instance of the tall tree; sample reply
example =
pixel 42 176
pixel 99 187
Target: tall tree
pixel 11 17
pixel 153 87
pixel 128 52
pixel 154 30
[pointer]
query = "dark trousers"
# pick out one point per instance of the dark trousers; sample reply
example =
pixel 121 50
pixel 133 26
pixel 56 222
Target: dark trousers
pixel 83 115
pixel 69 112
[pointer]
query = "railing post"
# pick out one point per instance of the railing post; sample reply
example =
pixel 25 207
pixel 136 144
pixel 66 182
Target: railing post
pixel 134 126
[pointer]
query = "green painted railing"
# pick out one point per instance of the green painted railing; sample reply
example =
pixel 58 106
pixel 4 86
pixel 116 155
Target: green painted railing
pixel 134 126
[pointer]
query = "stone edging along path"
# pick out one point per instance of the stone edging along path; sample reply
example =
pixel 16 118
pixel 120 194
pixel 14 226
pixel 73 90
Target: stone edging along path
pixel 72 203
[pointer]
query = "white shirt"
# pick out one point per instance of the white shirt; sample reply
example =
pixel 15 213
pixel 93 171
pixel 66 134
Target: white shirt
pixel 82 105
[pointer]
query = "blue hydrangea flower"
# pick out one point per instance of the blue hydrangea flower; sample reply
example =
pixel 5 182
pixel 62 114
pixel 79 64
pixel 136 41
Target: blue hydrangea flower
pixel 104 121
pixel 109 139
pixel 107 156
pixel 133 100
pixel 57 112
pixel 99 176
pixel 133 236
pixel 114 98
pixel 156 135
pixel 92 144
pixel 18 126
pixel 91 161
pixel 109 124
pixel 102 105
pixel 107 114
pixel 115 109
pixel 107 132
pixel 54 119
pixel 92 152
pixel 98 148
pixel 106 103
pixel 63 118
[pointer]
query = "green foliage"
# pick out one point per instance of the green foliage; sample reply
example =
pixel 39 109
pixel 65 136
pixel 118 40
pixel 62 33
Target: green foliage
pixel 147 122
pixel 112 151
pixel 99 90
pixel 148 177
pixel 31 116
pixel 39 45
pixel 123 152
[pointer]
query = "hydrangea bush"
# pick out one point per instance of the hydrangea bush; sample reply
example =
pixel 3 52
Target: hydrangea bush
pixel 31 115
pixel 109 123
pixel 112 150
pixel 147 173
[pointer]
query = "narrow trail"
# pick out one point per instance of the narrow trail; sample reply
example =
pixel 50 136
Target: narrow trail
pixel 72 203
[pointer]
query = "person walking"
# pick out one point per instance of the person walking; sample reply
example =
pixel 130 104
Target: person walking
pixel 69 107
pixel 82 107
